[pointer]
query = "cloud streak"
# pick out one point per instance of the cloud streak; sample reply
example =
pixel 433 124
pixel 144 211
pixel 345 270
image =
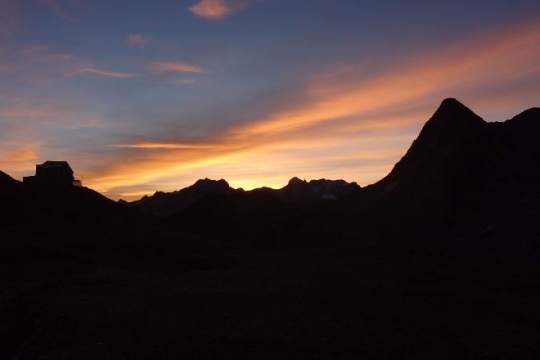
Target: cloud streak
pixel 159 67
pixel 104 73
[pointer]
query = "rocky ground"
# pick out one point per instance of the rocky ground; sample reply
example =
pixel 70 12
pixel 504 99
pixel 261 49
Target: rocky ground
pixel 88 293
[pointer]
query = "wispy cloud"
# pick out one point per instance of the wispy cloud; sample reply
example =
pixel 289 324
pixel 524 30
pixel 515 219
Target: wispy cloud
pixel 148 145
pixel 174 67
pixel 37 64
pixel 213 9
pixel 137 40
pixel 183 81
pixel 105 73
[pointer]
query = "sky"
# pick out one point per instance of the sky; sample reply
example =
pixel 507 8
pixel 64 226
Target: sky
pixel 140 96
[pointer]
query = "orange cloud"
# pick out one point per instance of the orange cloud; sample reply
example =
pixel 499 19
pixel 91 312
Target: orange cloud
pixel 174 67
pixel 212 9
pixel 250 162
pixel 18 158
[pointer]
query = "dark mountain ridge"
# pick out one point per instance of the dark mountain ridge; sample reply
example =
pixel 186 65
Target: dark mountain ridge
pixel 165 204
pixel 21 204
pixel 458 143
pixel 461 176
pixel 168 203
pixel 298 190
pixel 457 152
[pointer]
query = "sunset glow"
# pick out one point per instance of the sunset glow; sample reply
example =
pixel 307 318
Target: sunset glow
pixel 156 103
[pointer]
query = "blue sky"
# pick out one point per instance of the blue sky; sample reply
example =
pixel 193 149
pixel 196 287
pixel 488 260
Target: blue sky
pixel 142 96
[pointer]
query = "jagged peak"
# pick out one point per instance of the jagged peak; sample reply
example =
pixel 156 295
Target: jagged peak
pixel 296 181
pixel 451 103
pixel 328 181
pixel 210 181
pixel 454 112
pixel 452 117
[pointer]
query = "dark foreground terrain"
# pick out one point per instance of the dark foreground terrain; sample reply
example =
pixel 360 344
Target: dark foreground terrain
pixel 82 293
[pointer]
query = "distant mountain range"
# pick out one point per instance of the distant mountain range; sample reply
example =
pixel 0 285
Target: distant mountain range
pixel 166 204
pixel 462 178
pixel 298 190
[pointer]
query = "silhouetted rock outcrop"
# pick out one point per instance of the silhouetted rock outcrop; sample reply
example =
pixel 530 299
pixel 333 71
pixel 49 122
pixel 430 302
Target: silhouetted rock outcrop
pixel 297 190
pixel 166 204
pixel 7 183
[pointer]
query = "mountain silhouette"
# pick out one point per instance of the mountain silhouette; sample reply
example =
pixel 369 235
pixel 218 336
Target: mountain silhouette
pixel 166 204
pixel 457 152
pixel 462 174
